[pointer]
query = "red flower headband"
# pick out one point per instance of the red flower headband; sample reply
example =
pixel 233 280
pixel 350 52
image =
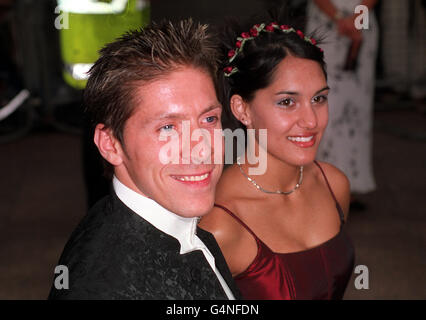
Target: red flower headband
pixel 254 32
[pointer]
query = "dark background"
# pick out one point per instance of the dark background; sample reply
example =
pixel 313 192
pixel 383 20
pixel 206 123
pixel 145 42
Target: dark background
pixel 45 157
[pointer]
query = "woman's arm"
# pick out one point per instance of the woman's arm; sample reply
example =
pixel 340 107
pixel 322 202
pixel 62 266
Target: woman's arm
pixel 340 185
pixel 345 24
pixel 238 247
pixel 369 3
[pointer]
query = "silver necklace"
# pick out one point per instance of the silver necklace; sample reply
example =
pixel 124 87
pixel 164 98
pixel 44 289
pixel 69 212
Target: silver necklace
pixel 298 184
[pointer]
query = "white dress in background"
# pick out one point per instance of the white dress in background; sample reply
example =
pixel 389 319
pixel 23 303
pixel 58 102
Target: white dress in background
pixel 347 143
pixel 404 46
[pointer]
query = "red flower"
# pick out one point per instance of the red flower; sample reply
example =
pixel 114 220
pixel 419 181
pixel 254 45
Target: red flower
pixel 256 26
pixel 300 33
pixel 269 28
pixel 313 41
pixel 321 50
pixel 284 27
pixel 231 53
pixel 253 32
pixel 245 35
pixel 228 69
pixel 238 44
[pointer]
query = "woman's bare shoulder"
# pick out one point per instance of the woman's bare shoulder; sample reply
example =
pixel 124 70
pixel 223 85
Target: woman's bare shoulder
pixel 218 221
pixel 339 184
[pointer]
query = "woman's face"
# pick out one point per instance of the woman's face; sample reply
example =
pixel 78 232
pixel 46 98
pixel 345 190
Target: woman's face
pixel 293 109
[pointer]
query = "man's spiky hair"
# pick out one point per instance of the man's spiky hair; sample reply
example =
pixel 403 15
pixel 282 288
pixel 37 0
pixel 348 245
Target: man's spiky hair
pixel 143 56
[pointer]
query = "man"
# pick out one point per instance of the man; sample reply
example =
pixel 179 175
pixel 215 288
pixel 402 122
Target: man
pixel 142 241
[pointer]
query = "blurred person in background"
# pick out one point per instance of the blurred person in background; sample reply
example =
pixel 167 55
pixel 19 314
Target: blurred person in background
pixel 350 56
pixel 404 65
pixel 10 82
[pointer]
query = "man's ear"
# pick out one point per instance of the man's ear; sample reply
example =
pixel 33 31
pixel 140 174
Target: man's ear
pixel 109 147
pixel 240 109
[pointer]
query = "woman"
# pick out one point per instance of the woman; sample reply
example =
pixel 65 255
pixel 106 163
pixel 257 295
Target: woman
pixel 350 54
pixel 286 244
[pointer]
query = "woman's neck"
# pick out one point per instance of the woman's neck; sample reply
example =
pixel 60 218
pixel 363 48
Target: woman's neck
pixel 278 175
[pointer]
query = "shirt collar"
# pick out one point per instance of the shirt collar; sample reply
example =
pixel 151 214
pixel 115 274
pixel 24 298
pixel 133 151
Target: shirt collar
pixel 181 228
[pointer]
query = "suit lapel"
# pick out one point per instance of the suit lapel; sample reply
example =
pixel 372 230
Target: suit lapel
pixel 220 262
pixel 194 258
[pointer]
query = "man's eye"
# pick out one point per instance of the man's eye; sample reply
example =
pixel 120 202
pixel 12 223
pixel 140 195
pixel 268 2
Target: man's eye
pixel 167 127
pixel 211 119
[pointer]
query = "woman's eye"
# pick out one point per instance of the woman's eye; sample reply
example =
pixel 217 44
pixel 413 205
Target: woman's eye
pixel 287 102
pixel 320 99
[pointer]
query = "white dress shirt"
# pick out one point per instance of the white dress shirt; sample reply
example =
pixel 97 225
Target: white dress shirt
pixel 181 228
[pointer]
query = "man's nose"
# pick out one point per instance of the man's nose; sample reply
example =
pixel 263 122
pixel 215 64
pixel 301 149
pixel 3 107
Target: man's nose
pixel 201 146
pixel 196 146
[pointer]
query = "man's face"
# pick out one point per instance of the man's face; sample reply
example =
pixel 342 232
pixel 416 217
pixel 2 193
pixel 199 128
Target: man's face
pixel 188 95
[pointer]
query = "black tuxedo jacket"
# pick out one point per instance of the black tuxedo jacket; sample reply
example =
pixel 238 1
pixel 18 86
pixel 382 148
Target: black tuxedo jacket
pixel 115 254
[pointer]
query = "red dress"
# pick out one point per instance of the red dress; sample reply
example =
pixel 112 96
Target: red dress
pixel 318 273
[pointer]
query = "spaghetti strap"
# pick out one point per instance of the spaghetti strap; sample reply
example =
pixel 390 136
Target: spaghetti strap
pixel 338 207
pixel 237 219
